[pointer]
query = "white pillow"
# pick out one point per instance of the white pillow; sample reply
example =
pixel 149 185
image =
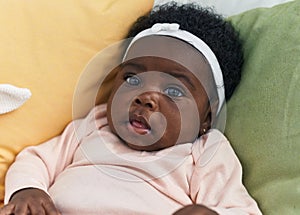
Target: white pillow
pixel 12 97
pixel 229 7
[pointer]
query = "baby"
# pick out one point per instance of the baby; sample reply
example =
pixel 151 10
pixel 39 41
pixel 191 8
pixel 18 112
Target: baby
pixel 153 148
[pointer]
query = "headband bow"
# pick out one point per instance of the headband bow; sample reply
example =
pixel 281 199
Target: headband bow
pixel 164 27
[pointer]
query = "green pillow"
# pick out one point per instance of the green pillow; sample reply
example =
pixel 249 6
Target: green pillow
pixel 263 118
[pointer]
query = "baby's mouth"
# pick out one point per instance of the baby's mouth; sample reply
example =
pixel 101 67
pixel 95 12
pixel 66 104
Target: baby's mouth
pixel 140 125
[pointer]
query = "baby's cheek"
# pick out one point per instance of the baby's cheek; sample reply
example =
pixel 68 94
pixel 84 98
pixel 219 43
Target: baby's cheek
pixel 190 123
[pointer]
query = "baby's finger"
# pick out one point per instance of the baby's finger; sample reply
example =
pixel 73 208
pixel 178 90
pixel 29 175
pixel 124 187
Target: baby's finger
pixel 7 209
pixel 50 208
pixel 36 209
pixel 21 209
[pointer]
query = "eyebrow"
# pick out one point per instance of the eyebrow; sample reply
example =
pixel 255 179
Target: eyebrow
pixel 139 66
pixel 182 77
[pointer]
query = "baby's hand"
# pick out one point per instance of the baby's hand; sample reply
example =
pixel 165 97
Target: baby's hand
pixel 30 201
pixel 195 210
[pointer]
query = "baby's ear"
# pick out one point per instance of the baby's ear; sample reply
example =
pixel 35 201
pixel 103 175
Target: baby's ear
pixel 206 123
pixel 209 117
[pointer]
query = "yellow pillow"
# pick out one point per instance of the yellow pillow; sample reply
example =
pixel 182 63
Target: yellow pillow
pixel 44 47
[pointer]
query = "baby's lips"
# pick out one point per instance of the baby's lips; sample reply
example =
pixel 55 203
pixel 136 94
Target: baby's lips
pixel 139 124
pixel 139 127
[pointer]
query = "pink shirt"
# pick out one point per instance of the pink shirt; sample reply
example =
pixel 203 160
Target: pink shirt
pixel 88 170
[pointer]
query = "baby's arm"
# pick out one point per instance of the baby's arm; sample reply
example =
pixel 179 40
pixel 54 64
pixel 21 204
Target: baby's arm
pixel 217 182
pixel 36 167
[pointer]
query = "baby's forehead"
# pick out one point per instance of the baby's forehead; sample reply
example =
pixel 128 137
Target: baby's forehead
pixel 166 47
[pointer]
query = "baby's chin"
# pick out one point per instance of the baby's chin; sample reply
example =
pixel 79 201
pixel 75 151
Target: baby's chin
pixel 149 148
pixel 142 147
pixel 159 145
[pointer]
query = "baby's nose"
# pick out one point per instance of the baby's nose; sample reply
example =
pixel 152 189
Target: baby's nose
pixel 147 100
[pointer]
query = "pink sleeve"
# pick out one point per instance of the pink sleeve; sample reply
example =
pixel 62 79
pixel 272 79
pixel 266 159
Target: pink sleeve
pixel 217 179
pixel 38 166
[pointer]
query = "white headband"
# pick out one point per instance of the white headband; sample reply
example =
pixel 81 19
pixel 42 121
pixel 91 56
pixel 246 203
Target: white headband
pixel 172 29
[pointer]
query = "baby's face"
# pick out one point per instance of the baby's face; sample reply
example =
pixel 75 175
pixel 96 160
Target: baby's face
pixel 157 99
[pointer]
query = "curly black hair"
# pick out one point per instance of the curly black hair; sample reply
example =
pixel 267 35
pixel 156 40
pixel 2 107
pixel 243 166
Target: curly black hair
pixel 212 28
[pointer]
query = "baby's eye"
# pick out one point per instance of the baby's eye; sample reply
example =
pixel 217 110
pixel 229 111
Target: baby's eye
pixel 173 92
pixel 132 80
